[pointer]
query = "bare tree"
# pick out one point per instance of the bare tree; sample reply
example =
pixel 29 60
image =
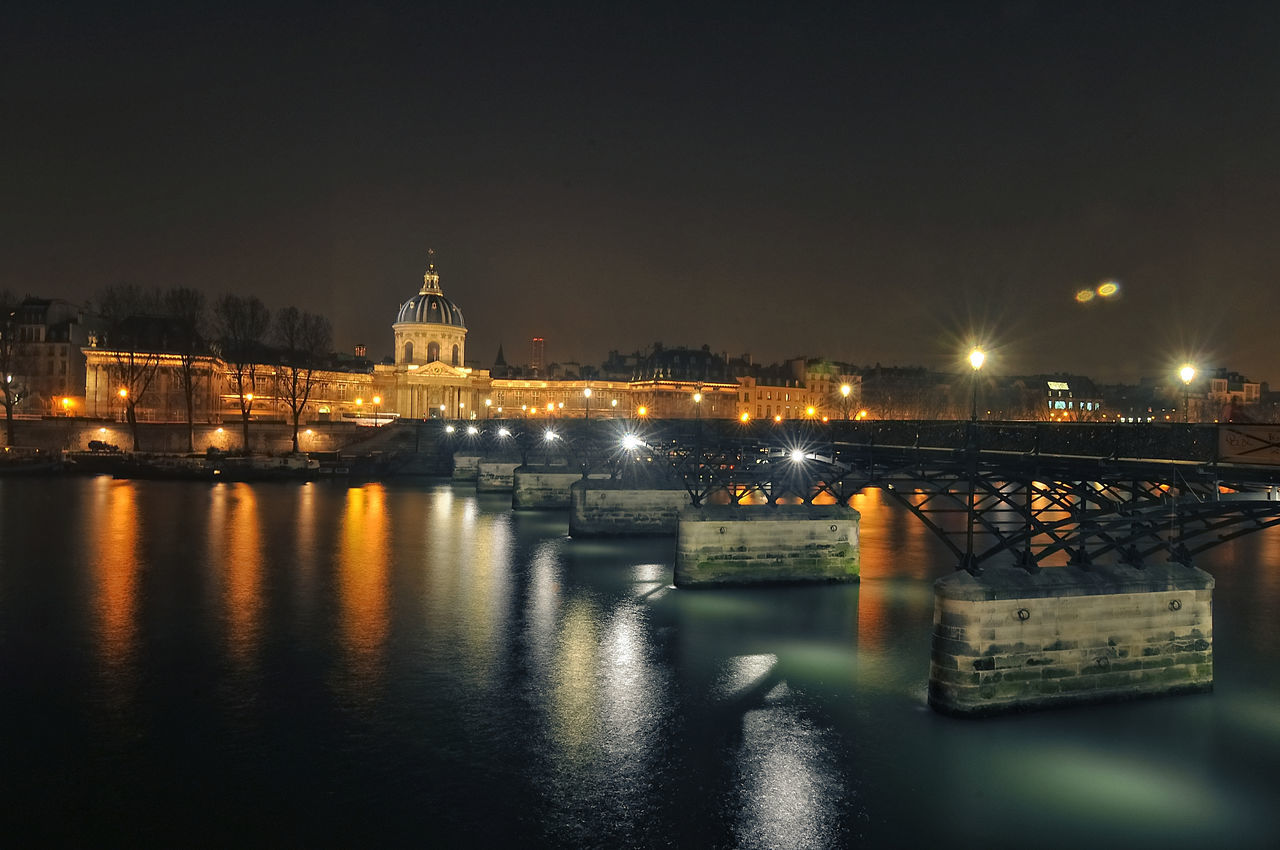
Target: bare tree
pixel 304 340
pixel 134 337
pixel 13 392
pixel 185 311
pixel 241 327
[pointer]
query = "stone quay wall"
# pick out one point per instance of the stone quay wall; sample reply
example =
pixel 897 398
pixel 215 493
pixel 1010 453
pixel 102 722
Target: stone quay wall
pixel 607 509
pixel 766 544
pixel 1011 640
pixel 544 487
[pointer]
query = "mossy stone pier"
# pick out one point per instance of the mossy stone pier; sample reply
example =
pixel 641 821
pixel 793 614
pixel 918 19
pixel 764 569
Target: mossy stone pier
pixel 766 544
pixel 1009 640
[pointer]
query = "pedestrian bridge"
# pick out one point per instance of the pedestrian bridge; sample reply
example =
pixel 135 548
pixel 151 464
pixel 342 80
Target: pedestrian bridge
pixel 1013 492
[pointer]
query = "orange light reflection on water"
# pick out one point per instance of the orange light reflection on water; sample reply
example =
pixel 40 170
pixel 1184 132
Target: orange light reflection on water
pixel 362 583
pixel 242 593
pixel 115 572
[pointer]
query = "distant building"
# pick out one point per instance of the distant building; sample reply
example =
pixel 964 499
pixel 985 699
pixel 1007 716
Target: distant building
pixel 48 360
pixel 537 356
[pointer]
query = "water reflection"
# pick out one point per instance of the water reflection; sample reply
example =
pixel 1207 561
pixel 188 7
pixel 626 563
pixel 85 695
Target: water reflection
pixel 363 555
pixel 570 683
pixel 790 793
pixel 114 530
pixel 234 516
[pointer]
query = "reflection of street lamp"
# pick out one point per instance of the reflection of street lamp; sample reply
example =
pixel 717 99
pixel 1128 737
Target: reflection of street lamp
pixel 1188 374
pixel 976 358
pixel 586 400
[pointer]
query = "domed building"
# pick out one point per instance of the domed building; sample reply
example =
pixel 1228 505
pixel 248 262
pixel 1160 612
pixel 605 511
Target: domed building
pixel 431 378
pixel 429 327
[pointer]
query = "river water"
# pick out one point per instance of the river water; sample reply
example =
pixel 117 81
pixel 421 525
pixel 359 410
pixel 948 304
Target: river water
pixel 411 664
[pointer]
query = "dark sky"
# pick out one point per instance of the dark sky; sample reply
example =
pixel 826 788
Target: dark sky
pixel 870 182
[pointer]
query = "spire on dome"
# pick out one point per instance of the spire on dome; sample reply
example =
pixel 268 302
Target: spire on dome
pixel 431 280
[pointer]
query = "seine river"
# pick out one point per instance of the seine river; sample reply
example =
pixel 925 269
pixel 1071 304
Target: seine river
pixel 410 664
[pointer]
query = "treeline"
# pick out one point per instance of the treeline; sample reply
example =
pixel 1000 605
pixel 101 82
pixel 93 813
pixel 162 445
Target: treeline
pixel 140 327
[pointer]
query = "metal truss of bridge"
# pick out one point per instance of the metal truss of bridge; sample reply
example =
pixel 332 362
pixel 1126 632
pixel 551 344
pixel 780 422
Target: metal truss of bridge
pixel 1022 492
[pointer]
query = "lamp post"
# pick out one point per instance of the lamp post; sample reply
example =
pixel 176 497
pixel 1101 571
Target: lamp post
pixel 586 400
pixel 697 450
pixel 1188 374
pixel 377 402
pixel 488 408
pixel 976 359
pixel 845 390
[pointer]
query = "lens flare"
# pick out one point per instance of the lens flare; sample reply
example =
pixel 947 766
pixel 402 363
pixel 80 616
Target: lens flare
pixel 1108 289
pixel 1084 296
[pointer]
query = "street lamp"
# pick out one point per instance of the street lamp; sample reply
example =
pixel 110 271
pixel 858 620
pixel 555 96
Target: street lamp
pixel 976 359
pixel 697 405
pixel 586 396
pixel 377 402
pixel 1188 374
pixel 845 390
pixel 488 413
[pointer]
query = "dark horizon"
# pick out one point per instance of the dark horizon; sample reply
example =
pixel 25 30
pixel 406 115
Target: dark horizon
pixel 848 181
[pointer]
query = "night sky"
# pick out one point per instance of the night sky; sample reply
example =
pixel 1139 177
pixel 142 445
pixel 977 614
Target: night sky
pixel 869 182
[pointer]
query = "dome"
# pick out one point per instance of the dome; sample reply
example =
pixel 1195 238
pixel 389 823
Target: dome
pixel 429 306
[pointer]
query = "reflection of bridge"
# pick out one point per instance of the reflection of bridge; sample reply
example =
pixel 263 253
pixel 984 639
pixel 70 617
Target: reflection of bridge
pixel 1016 492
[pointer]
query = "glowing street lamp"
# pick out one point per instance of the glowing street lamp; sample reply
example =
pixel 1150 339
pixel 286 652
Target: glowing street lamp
pixel 1188 374
pixel 488 404
pixel 976 358
pixel 586 397
pixel 845 390
pixel 377 402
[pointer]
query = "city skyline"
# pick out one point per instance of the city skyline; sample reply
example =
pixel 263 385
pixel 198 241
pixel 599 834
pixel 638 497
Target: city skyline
pixel 862 184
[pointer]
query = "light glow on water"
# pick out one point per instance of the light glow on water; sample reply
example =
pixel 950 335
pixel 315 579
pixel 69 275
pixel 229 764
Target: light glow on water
pixel 415 649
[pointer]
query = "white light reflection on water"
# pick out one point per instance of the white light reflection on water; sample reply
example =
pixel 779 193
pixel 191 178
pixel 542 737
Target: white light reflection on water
pixel 788 788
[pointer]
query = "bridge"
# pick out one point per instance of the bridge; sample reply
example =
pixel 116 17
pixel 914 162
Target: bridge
pixel 1027 492
pixel 1119 511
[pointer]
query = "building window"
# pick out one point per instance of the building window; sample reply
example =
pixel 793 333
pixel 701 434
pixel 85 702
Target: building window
pixel 455 356
pixel 408 352
pixel 433 352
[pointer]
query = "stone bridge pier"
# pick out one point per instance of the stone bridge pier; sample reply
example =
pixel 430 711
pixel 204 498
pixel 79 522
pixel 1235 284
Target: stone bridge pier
pixel 1009 640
